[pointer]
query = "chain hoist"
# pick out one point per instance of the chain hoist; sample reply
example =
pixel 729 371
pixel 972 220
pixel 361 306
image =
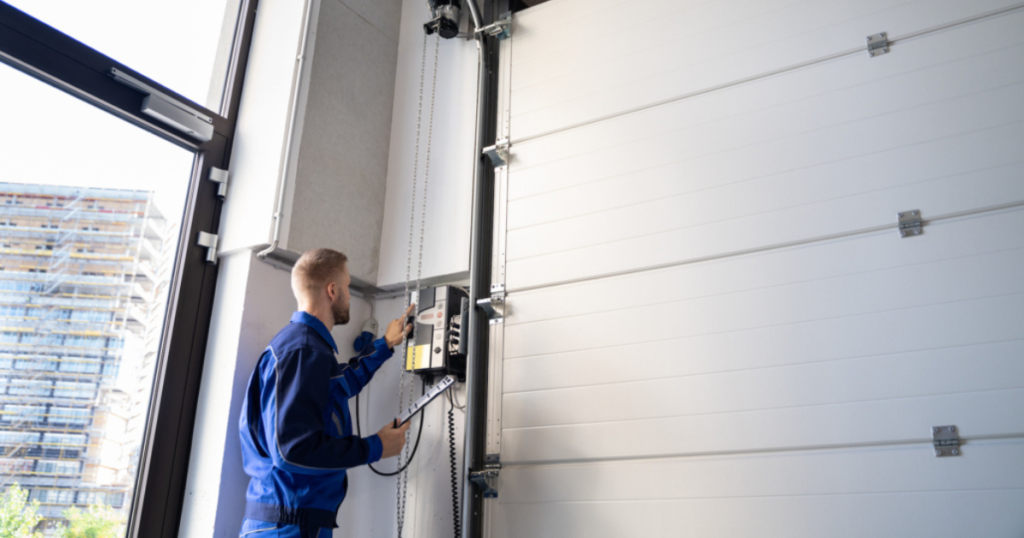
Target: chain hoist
pixel 402 486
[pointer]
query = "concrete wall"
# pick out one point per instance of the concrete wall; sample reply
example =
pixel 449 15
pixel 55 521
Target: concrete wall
pixel 338 194
pixel 334 191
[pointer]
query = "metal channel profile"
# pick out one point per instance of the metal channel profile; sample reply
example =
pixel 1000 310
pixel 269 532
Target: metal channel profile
pixel 946 440
pixel 496 353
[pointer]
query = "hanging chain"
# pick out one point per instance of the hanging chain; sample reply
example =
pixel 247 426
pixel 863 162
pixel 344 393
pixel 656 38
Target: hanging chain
pixel 402 486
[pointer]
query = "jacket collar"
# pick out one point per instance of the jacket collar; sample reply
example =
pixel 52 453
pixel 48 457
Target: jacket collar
pixel 317 325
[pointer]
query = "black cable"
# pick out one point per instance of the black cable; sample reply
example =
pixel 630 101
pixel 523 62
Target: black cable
pixel 456 519
pixel 419 435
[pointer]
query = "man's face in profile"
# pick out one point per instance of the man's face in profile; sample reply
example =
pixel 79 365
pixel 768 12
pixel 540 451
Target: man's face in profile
pixel 340 306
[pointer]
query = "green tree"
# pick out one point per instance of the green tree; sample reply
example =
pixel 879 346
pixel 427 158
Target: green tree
pixel 99 521
pixel 18 517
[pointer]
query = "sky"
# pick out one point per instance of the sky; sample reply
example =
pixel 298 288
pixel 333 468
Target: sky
pixel 50 137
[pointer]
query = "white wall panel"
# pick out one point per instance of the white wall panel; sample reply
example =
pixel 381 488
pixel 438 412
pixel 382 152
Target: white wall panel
pixel 450 190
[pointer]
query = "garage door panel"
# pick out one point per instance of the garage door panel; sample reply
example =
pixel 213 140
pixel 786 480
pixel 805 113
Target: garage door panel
pixel 946 514
pixel 609 83
pixel 845 471
pixel 677 183
pixel 770 217
pixel 885 334
pixel 963 369
pixel 956 238
pixel 712 326
pixel 807 223
pixel 919 67
pixel 902 420
pixel 897 492
pixel 671 164
pixel 900 288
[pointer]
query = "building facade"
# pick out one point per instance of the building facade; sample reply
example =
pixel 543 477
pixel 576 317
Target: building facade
pixel 84 274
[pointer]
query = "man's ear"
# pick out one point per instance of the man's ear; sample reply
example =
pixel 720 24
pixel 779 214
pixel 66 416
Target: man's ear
pixel 332 291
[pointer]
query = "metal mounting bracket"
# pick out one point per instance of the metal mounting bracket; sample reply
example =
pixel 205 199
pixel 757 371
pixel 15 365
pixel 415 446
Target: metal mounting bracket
pixel 946 440
pixel 910 223
pixel 220 177
pixel 167 109
pixel 878 44
pixel 498 153
pixel 501 28
pixel 494 306
pixel 483 479
pixel 210 242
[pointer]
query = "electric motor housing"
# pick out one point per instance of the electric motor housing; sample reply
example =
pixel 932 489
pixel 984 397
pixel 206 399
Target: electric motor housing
pixel 444 18
pixel 437 346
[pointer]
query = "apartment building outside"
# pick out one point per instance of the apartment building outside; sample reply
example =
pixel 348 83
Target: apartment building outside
pixel 84 275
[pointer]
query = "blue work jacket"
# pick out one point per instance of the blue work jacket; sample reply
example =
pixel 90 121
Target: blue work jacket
pixel 296 429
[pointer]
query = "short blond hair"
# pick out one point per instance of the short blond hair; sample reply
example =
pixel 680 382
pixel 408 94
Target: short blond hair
pixel 315 268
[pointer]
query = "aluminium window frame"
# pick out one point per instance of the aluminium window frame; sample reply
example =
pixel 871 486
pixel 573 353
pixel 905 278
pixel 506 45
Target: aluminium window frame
pixel 45 53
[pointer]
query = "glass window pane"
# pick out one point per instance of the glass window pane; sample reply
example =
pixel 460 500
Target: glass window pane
pixel 82 316
pixel 184 45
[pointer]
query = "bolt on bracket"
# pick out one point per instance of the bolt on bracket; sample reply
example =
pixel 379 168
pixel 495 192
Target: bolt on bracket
pixel 910 223
pixel 501 28
pixel 498 153
pixel 878 44
pixel 946 440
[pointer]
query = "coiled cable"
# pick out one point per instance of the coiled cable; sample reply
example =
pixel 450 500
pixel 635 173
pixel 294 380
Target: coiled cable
pixel 456 519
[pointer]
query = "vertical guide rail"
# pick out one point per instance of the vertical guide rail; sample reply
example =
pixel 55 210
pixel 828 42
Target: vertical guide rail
pixel 480 274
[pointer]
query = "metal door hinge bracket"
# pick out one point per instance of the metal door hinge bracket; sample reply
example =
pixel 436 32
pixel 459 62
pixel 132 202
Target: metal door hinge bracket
pixel 501 28
pixel 210 242
pixel 878 44
pixel 494 306
pixel 910 223
pixel 483 479
pixel 498 153
pixel 946 440
pixel 220 177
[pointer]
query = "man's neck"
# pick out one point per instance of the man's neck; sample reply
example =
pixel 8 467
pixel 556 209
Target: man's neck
pixel 323 314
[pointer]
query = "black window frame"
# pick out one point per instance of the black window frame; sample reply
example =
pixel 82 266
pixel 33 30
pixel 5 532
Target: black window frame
pixel 33 47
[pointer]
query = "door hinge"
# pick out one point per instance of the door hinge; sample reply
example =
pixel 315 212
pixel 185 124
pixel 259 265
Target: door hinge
pixel 494 306
pixel 910 223
pixel 501 28
pixel 946 440
pixel 498 153
pixel 220 177
pixel 210 242
pixel 878 44
pixel 483 479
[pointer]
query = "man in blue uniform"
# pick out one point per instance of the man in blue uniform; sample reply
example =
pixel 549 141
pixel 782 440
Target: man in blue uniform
pixel 295 426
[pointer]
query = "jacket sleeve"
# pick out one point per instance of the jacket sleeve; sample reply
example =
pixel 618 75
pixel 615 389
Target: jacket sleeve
pixel 357 376
pixel 294 420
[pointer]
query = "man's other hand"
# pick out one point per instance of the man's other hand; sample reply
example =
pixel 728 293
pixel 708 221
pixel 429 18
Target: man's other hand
pixel 392 439
pixel 398 330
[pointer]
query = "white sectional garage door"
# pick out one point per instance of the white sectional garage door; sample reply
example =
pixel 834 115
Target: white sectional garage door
pixel 714 327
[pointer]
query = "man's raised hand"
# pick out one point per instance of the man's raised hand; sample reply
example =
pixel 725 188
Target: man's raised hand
pixel 398 329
